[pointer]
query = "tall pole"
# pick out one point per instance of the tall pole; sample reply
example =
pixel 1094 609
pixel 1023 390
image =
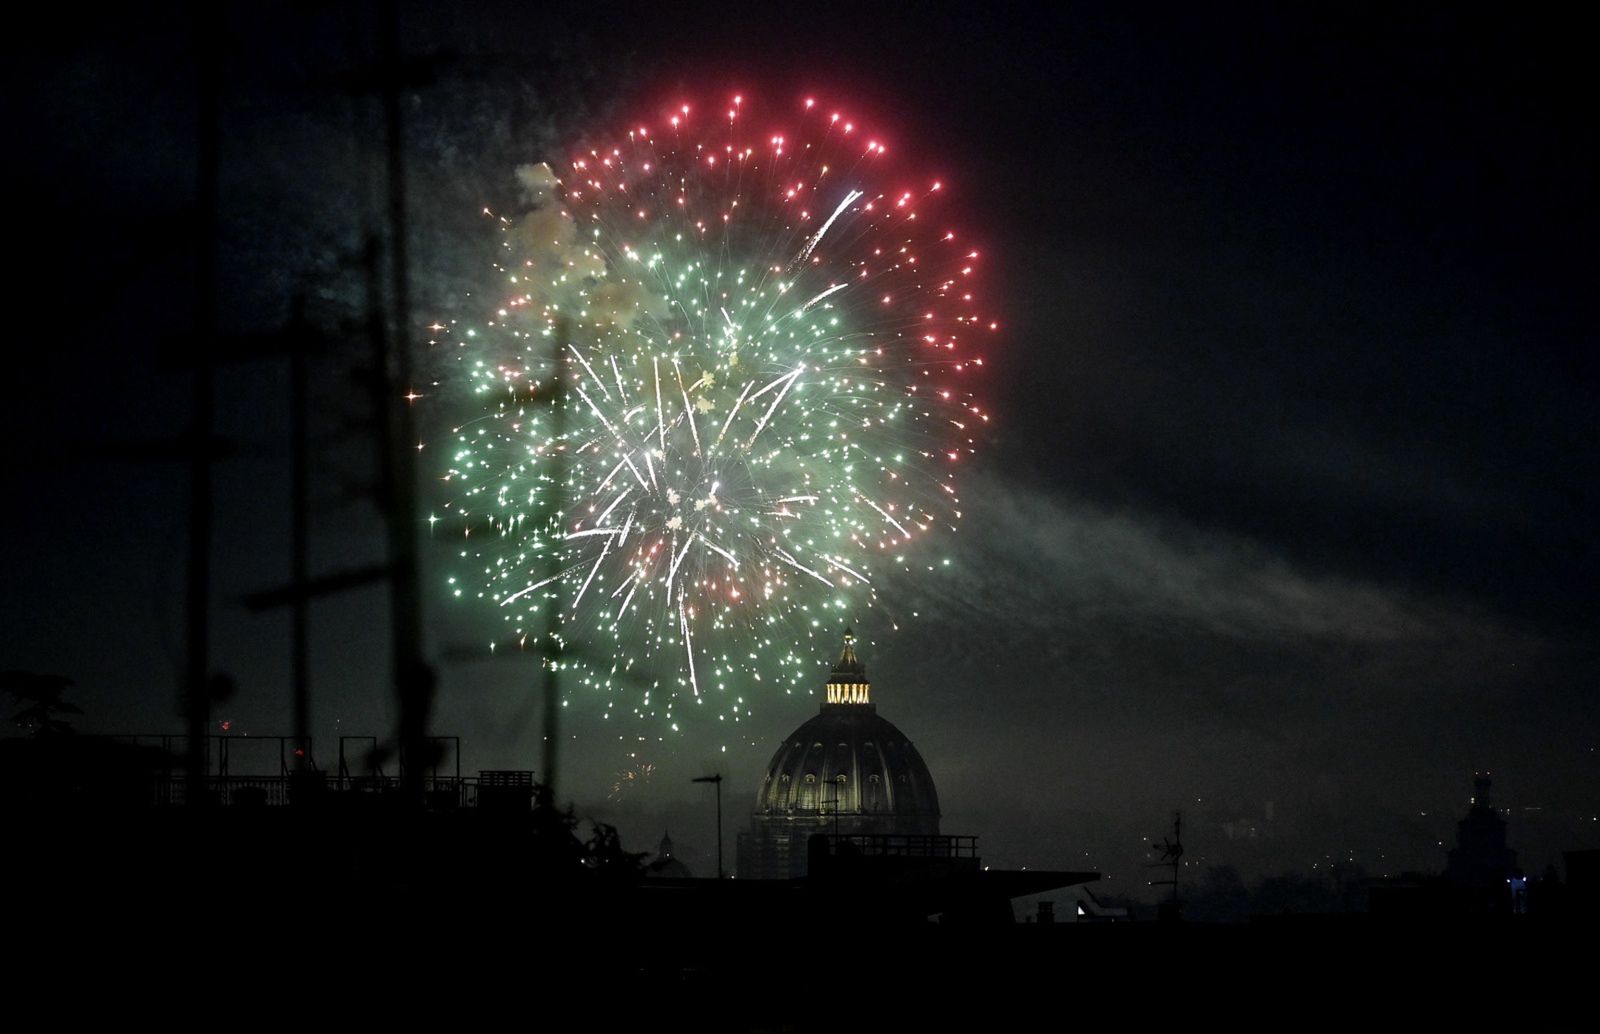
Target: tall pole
pixel 413 678
pixel 197 703
pixel 299 537
pixel 717 779
pixel 1177 855
pixel 551 654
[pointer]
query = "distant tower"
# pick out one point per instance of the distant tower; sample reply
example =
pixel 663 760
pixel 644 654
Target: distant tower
pixel 666 864
pixel 1480 860
pixel 846 771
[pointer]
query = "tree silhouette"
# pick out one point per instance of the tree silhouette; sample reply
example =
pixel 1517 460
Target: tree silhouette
pixel 42 705
pixel 605 855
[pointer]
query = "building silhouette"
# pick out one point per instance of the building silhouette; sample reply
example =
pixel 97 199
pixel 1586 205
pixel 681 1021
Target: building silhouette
pixel 848 772
pixel 1481 858
pixel 1480 878
pixel 666 864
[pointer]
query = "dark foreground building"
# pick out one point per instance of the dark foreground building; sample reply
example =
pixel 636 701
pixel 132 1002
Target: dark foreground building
pixel 848 772
pixel 278 891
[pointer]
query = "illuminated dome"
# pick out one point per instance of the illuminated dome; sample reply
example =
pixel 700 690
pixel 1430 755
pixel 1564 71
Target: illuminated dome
pixel 848 770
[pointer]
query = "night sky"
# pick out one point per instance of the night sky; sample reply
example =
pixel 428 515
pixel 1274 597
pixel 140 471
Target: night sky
pixel 1283 518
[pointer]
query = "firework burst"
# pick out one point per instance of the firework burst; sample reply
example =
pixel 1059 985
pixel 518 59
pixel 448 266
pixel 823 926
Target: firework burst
pixel 722 393
pixel 631 778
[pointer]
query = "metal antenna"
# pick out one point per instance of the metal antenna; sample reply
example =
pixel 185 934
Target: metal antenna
pixel 1171 854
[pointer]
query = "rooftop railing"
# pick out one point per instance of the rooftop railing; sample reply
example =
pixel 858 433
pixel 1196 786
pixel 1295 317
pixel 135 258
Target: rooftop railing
pixel 909 845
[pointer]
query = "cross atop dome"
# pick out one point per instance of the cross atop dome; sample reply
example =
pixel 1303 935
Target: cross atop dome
pixel 848 684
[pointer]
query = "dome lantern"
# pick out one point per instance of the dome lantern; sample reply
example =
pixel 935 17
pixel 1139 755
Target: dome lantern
pixel 848 685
